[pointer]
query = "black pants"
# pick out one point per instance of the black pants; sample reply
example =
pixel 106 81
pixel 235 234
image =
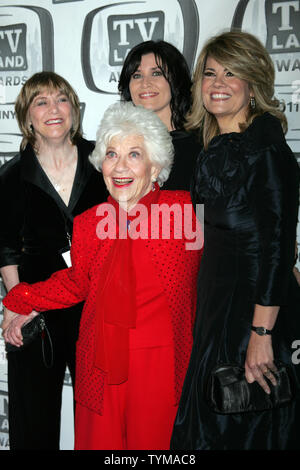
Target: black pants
pixel 35 391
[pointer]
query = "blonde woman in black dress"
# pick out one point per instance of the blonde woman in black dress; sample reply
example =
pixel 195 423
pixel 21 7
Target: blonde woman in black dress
pixel 248 179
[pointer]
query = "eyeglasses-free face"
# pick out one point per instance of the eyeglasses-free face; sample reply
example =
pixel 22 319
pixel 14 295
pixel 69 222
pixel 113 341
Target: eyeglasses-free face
pixel 225 96
pixel 149 88
pixel 128 171
pixel 50 114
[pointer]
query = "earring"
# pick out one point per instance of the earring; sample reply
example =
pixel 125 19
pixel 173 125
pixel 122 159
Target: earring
pixel 252 102
pixel 153 185
pixel 31 128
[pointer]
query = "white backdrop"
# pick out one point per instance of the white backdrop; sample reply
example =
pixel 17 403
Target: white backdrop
pixel 86 42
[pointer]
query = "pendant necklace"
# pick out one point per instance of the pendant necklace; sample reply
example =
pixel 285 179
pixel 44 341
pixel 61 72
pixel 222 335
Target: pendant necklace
pixel 56 183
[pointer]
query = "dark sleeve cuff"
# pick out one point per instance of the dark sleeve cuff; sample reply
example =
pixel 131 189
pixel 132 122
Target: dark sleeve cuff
pixel 9 256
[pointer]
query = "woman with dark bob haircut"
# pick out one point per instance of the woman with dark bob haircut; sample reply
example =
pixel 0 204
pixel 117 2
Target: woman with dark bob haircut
pixel 155 75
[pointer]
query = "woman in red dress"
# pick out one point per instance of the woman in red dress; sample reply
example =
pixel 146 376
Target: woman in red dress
pixel 134 262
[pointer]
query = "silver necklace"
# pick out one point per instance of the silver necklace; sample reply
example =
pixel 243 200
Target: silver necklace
pixel 56 183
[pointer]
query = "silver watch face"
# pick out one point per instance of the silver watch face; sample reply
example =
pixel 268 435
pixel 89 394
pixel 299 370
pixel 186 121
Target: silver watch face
pixel 260 330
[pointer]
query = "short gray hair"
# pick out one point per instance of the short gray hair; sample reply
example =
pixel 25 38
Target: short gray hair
pixel 123 119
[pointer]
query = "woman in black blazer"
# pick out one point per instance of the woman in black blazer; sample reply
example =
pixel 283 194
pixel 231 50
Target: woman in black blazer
pixel 42 189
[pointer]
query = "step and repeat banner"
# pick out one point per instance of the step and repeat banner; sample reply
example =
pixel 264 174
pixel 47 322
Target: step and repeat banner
pixel 86 42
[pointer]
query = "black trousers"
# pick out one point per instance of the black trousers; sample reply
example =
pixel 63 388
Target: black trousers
pixel 35 391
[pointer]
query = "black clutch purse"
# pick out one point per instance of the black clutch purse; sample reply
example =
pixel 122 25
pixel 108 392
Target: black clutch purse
pixel 229 392
pixel 30 331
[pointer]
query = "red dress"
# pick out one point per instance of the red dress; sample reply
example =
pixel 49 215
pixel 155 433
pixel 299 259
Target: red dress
pixel 139 412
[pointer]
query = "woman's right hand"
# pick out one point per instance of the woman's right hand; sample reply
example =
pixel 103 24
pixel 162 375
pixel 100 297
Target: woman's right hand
pixel 12 324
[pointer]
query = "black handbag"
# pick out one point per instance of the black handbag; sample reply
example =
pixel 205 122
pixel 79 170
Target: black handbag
pixel 229 392
pixel 30 331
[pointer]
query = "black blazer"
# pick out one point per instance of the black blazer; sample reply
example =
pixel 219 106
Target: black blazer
pixel 34 219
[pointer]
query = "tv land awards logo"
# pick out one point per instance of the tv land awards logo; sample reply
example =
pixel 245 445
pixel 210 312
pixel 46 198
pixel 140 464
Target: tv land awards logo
pixel 130 30
pixel 283 21
pixel 116 32
pixel 13 47
pixel 276 23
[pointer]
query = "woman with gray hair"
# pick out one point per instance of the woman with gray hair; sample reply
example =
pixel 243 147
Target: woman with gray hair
pixel 138 286
pixel 122 121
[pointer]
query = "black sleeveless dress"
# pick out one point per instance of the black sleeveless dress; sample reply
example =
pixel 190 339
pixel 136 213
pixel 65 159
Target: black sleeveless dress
pixel 249 184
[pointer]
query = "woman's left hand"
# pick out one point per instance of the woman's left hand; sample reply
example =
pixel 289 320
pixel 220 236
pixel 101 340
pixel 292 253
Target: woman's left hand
pixel 259 363
pixel 12 324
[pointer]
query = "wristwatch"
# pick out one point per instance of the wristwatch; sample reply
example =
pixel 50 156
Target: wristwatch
pixel 261 330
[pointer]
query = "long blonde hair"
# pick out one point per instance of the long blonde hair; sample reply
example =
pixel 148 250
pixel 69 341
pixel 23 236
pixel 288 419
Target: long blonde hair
pixel 243 55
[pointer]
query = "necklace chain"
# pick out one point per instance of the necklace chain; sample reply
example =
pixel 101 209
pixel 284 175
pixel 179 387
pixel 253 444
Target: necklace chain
pixel 56 183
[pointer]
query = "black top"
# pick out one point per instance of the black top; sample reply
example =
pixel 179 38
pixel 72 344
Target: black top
pixel 253 178
pixel 35 221
pixel 187 146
